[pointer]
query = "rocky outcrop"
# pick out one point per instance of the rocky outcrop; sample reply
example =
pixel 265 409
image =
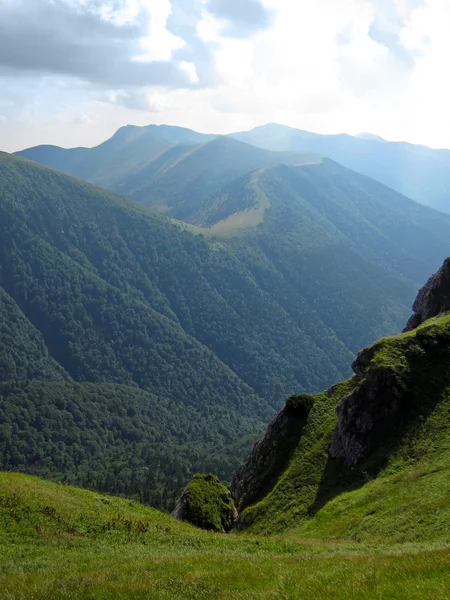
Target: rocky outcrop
pixel 270 455
pixel 433 298
pixel 384 396
pixel 366 415
pixel 380 398
pixel 207 503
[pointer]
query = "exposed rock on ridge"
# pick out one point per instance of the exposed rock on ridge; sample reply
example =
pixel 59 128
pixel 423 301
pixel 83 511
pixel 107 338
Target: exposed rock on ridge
pixel 383 399
pixel 433 298
pixel 270 454
pixel 374 407
pixel 366 414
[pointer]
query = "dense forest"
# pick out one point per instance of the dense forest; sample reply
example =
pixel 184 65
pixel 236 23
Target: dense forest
pixel 148 342
pixel 117 439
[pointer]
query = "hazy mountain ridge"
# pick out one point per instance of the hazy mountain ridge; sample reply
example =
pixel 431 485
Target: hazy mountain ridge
pixel 418 172
pixel 171 176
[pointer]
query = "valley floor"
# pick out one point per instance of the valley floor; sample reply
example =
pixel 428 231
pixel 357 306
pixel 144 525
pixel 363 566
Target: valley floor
pixel 62 542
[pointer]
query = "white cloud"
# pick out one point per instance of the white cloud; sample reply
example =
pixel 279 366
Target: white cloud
pixel 191 71
pixel 159 43
pixel 326 65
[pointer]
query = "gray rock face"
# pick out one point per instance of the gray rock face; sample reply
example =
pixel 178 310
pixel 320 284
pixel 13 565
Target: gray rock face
pixel 270 454
pixel 433 298
pixel 375 405
pixel 365 415
pixel 179 512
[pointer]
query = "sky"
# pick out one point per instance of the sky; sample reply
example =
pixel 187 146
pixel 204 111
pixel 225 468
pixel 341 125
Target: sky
pixel 73 71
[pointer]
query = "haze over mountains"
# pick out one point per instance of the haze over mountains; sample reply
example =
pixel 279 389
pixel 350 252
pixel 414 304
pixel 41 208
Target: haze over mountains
pixel 418 172
pixel 144 163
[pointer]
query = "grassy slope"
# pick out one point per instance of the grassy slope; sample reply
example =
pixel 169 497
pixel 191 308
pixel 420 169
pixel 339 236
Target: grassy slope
pixel 400 491
pixel 61 542
pixel 384 535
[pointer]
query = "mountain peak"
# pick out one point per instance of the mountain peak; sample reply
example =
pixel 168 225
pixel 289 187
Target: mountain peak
pixel 370 137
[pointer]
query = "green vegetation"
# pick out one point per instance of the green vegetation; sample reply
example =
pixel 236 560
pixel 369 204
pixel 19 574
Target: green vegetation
pixel 398 491
pixel 171 169
pixel 61 542
pixel 116 438
pixel 23 354
pixel 218 329
pixel 207 503
pixel 377 530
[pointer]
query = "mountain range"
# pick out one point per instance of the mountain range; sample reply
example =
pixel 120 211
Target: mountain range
pixel 268 288
pixel 418 172
pixel 162 165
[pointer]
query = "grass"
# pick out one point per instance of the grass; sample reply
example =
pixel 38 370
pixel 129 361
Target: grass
pixel 238 222
pixel 324 531
pixel 63 542
pixel 314 490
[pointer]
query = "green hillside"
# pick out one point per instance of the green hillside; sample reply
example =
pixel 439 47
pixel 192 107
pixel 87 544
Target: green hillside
pixel 23 353
pixel 178 180
pixel 116 438
pixel 353 495
pixel 314 224
pixel 418 172
pixel 218 328
pixel 168 168
pixel 61 542
pixel 398 490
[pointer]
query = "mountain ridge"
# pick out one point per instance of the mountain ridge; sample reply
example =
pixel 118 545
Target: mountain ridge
pixel 368 431
pixel 418 172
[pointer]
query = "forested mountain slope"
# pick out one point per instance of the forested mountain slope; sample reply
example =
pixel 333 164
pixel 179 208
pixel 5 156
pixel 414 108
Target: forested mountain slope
pixel 219 327
pixel 168 168
pixel 318 225
pixel 417 172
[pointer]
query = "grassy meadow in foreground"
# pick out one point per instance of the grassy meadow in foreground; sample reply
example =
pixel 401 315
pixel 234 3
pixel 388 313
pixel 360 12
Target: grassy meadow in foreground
pixel 63 542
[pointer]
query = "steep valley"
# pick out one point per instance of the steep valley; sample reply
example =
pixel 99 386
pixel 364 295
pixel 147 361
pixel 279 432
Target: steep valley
pixel 108 304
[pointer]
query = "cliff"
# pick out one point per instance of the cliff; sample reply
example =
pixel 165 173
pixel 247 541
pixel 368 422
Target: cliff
pixel 433 298
pixel 349 433
pixel 270 455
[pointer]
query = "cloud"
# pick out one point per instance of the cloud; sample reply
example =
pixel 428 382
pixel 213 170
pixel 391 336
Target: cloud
pixel 216 66
pixel 389 21
pixel 120 42
pixel 243 17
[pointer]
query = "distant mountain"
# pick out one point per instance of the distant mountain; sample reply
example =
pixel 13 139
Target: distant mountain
pixel 129 147
pixel 418 172
pixel 179 179
pixel 168 168
pixel 370 136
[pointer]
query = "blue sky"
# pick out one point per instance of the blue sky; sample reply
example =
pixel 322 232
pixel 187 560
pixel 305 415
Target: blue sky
pixel 74 71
